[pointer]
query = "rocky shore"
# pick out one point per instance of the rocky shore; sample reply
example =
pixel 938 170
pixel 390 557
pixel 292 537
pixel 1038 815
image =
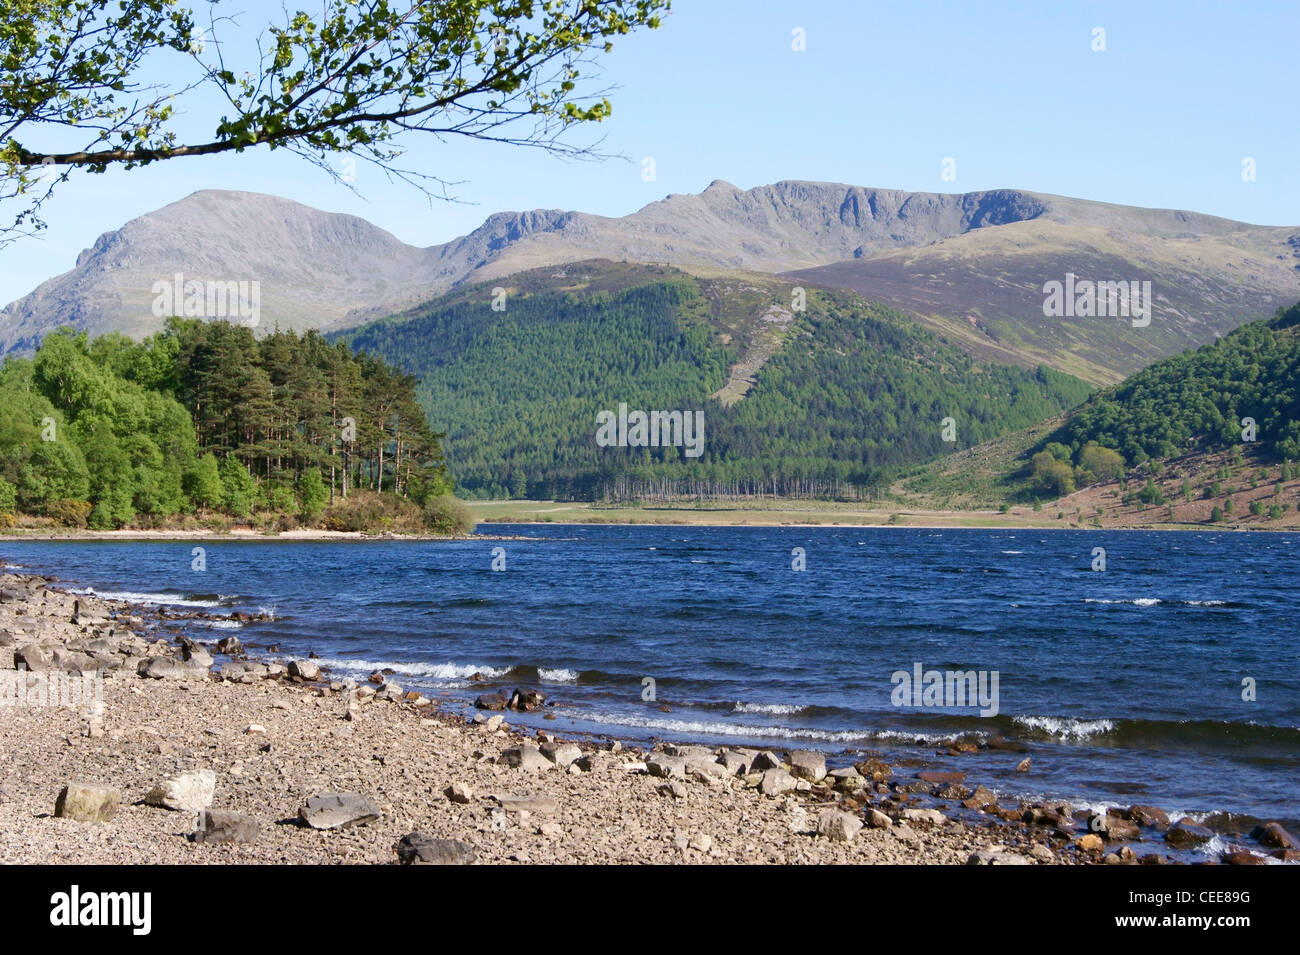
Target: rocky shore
pixel 126 741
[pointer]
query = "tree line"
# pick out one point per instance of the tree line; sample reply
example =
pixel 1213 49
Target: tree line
pixel 205 418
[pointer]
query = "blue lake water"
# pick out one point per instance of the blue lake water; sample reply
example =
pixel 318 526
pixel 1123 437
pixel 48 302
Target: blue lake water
pixel 1123 685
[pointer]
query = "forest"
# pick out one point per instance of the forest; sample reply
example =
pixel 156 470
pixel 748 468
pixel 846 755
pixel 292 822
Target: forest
pixel 1242 389
pixel 204 422
pixel 854 392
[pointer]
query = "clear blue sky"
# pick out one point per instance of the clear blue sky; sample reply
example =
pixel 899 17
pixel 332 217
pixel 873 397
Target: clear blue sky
pixel 1012 91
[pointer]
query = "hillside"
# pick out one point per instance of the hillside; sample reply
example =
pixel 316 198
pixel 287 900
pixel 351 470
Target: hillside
pixel 1207 436
pixel 971 265
pixel 830 400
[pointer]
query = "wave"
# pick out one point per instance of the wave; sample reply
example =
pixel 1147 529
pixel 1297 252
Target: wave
pixel 1152 601
pixel 775 709
pixel 432 671
pixel 558 676
pixel 1066 728
pixel 709 728
pixel 157 599
pixel 225 624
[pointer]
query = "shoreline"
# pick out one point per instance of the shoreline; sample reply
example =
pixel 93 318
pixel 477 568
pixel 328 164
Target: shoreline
pixel 276 733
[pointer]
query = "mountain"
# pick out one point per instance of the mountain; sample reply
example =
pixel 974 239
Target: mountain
pixel 1216 427
pixel 970 264
pixel 830 399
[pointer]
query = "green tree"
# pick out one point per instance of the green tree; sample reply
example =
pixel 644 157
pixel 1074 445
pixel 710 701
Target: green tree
pixel 203 482
pixel 313 495
pixel 239 486
pixel 358 78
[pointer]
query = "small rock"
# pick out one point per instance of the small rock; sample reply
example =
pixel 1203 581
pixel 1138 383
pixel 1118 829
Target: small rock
pixel 414 848
pixel 838 826
pixel 932 817
pixel 338 811
pixel 774 782
pixel 492 701
pixel 306 670
pixel 230 646
pixel 665 767
pixel 561 754
pixel 1272 834
pixel 526 757
pixel 1185 834
pixel 188 792
pixel 1089 843
pixel 459 794
pixel 805 764
pixel 221 826
pixel 878 820
pixel 87 802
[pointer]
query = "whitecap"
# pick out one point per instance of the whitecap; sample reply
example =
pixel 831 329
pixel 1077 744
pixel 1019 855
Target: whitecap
pixel 561 675
pixel 1064 727
pixel 776 709
pixel 160 599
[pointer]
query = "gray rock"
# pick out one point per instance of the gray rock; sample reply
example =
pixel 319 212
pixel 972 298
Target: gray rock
pixel 561 754
pixel 665 766
pixel 776 781
pixel 737 764
pixel 31 657
pixel 538 804
pixel 765 760
pixel 459 794
pixel 87 802
pixel 188 792
pixel 838 826
pixel 415 848
pixel 878 820
pixel 931 816
pixel 526 757
pixel 169 668
pixel 230 646
pixel 338 811
pixel 223 826
pixel 306 670
pixel 707 767
pixel 805 764
pixel 193 653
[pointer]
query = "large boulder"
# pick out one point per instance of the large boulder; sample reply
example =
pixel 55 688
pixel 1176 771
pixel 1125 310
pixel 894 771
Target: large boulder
pixel 338 811
pixel 87 802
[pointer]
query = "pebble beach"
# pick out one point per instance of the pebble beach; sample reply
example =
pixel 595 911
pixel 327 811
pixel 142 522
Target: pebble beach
pixel 207 754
